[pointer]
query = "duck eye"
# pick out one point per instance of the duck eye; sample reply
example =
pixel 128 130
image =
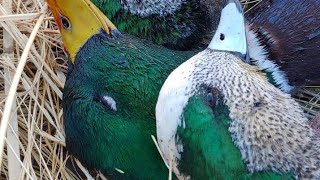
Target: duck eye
pixel 222 37
pixel 213 96
pixel 211 100
pixel 65 22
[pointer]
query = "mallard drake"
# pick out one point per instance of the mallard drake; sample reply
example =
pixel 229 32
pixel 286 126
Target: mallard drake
pixel 220 118
pixel 110 93
pixel 283 36
pixel 176 24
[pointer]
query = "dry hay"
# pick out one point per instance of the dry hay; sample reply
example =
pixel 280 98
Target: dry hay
pixel 36 116
pixel 309 98
pixel 37 107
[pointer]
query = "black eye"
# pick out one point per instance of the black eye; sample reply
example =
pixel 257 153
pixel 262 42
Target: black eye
pixel 212 96
pixel 221 37
pixel 65 22
pixel 212 99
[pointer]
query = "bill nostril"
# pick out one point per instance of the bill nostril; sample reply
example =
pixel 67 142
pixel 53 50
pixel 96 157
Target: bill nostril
pixel 222 37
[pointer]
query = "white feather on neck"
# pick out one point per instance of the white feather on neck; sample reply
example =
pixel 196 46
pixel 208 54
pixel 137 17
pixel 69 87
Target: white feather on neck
pixel 259 53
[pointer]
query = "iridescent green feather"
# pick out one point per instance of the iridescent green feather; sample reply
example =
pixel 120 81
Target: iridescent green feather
pixel 185 29
pixel 208 150
pixel 130 71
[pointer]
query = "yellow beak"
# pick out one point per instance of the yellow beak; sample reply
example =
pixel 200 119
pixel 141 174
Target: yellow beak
pixel 78 20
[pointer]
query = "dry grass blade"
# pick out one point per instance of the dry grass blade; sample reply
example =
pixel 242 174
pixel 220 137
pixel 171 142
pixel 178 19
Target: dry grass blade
pixel 38 94
pixel 14 85
pixel 309 98
pixel 20 17
pixel 14 167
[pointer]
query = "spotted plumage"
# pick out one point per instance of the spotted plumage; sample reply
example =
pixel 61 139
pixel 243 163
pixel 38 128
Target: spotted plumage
pixel 146 8
pixel 214 106
pixel 268 126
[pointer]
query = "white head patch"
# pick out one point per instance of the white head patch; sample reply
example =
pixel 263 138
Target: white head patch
pixel 111 102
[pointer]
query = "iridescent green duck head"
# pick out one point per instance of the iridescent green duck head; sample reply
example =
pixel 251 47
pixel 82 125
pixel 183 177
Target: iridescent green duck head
pixel 177 24
pixel 110 93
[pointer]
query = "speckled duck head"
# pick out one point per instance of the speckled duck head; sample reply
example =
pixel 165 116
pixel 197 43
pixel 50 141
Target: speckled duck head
pixel 215 89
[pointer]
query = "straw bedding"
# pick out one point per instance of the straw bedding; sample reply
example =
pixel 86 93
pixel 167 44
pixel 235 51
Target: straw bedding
pixel 34 144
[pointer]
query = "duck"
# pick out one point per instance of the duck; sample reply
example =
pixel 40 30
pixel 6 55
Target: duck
pixel 175 24
pixel 284 40
pixel 110 93
pixel 219 117
pixel 283 36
